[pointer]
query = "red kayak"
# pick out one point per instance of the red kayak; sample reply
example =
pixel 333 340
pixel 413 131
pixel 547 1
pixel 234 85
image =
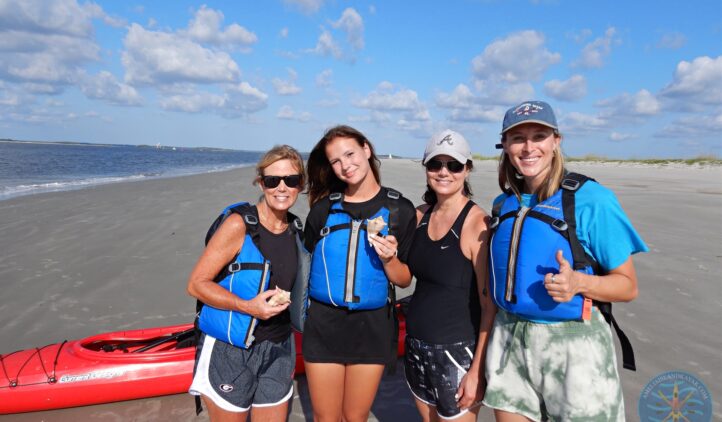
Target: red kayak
pixel 108 367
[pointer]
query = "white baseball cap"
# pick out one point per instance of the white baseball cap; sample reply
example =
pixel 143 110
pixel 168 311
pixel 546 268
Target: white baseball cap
pixel 448 143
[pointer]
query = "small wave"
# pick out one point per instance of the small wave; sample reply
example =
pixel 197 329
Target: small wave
pixel 8 192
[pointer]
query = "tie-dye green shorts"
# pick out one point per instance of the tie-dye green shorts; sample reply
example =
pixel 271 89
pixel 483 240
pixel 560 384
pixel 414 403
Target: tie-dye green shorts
pixel 564 371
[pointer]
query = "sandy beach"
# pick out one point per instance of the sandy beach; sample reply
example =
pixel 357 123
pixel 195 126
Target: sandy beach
pixel 117 256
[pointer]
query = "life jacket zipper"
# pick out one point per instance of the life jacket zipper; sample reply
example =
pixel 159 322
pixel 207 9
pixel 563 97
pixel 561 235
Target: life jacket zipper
pixel 249 335
pixel 513 251
pixel 351 262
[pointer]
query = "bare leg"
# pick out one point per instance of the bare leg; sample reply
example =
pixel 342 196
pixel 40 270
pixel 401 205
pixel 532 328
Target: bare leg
pixel 361 383
pixel 502 416
pixel 216 414
pixel 427 411
pixel 275 413
pixel 326 385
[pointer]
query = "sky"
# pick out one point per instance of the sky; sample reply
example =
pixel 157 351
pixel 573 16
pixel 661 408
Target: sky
pixel 627 79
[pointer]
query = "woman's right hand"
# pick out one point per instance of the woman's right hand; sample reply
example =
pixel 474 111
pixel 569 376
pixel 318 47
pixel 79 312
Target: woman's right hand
pixel 261 309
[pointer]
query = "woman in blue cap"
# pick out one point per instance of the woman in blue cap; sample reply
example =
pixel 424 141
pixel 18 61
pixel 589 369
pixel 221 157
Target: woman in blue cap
pixel 560 253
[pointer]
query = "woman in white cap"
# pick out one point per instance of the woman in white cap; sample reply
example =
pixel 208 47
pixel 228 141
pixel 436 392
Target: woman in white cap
pixel 560 253
pixel 451 313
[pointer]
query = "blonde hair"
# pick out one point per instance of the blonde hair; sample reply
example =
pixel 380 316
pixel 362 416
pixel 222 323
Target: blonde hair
pixel 278 153
pixel 508 181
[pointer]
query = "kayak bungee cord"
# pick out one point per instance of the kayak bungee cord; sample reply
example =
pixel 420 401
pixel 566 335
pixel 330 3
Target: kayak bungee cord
pixel 16 381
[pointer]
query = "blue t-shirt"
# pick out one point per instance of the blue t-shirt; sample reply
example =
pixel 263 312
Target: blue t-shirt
pixel 603 228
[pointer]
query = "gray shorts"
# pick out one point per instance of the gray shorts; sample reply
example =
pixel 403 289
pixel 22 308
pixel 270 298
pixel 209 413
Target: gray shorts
pixel 559 371
pixel 236 379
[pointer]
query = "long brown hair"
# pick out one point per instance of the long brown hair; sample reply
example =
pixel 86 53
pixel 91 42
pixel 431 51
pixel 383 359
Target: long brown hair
pixel 508 182
pixel 430 196
pixel 321 179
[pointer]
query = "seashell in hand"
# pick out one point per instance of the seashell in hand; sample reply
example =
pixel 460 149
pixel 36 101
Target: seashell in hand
pixel 280 298
pixel 374 226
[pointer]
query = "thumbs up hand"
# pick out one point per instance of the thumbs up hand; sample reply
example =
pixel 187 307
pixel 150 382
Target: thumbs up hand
pixel 563 286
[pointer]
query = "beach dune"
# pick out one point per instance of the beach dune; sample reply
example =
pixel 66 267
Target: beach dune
pixel 117 257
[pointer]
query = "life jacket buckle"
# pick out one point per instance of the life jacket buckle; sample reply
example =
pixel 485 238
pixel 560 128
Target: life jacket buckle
pixel 298 224
pixel 393 194
pixel 494 223
pixel 560 225
pixel 571 184
pixel 250 219
pixel 325 231
pixel 234 267
pixel 335 196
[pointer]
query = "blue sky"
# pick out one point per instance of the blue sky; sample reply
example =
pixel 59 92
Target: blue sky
pixel 627 79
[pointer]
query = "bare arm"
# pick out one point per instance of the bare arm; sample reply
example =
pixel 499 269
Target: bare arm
pixel 222 248
pixel 619 285
pixel 475 245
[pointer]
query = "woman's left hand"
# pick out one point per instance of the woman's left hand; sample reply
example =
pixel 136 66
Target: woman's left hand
pixel 563 286
pixel 471 391
pixel 386 247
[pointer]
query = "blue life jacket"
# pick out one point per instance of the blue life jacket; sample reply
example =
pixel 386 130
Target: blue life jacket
pixel 247 275
pixel 346 271
pixel 523 249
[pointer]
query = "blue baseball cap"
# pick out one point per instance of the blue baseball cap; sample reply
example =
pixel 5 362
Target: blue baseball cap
pixel 530 112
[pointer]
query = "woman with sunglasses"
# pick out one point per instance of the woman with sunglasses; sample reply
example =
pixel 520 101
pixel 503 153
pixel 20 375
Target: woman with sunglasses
pixel 349 334
pixel 561 252
pixel 451 313
pixel 253 368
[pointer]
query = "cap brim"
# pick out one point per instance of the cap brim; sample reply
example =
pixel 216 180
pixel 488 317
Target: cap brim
pixel 453 154
pixel 541 122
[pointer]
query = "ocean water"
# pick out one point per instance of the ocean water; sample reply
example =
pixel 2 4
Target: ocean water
pixel 28 168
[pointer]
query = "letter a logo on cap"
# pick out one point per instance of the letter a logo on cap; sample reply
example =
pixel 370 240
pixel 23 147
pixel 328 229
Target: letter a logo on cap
pixel 446 139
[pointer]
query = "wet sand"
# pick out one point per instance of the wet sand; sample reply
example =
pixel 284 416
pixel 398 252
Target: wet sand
pixel 117 256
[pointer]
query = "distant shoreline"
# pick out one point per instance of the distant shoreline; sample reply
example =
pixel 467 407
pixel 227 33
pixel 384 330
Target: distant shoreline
pixel 702 160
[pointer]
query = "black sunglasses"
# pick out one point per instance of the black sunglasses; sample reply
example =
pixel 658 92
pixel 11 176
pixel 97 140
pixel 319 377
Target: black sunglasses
pixel 452 165
pixel 292 181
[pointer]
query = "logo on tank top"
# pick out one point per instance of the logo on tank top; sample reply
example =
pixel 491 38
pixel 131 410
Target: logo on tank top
pixel 675 396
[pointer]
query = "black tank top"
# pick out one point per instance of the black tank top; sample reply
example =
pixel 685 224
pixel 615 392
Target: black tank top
pixel 445 305
pixel 280 249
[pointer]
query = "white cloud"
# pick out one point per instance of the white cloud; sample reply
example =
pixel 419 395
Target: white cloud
pixel 629 107
pixel 287 87
pixel 153 57
pixel 105 86
pixel 574 88
pixel 707 127
pixel 46 44
pixel 520 57
pixel 594 53
pixel 466 107
pixel 283 33
pixel 205 27
pixel 324 78
pixel 352 24
pixel 287 113
pixel 672 40
pixel 326 45
pixel 384 98
pixel 581 36
pixel 576 122
pixel 194 103
pixel 491 92
pixel 306 6
pixel 237 100
pixel 619 137
pixel 696 84
pixel 388 101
